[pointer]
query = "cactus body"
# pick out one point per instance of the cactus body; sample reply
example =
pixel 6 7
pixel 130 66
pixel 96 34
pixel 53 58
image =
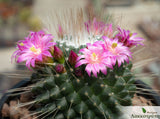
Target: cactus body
pixel 69 95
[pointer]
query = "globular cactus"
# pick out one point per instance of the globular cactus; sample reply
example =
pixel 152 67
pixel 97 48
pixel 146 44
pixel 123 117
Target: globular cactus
pixel 90 81
pixel 75 96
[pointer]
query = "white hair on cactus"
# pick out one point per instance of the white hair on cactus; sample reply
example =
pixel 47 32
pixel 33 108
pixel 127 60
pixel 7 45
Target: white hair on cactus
pixel 72 24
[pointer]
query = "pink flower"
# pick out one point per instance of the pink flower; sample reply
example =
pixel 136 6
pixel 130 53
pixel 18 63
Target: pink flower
pixel 35 48
pixel 95 58
pixel 98 28
pixel 129 39
pixel 116 50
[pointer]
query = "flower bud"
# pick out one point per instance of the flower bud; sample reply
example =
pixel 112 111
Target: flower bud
pixel 72 58
pixel 58 55
pixel 48 60
pixel 78 73
pixel 59 68
pixel 60 32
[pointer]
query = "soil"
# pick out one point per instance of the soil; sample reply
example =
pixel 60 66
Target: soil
pixel 141 101
pixel 12 110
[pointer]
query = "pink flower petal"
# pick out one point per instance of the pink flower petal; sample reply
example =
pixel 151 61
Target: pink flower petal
pixel 96 67
pixel 103 69
pixel 88 69
pixel 39 57
pixel 33 62
pixel 80 63
pixel 80 57
pixel 47 53
pixel 94 71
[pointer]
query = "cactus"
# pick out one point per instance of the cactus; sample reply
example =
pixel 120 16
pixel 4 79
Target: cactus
pixel 75 96
pixel 65 88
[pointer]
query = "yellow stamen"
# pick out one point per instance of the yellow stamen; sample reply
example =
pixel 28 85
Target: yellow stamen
pixel 130 34
pixel 21 44
pixel 33 49
pixel 94 57
pixel 114 45
pixel 36 51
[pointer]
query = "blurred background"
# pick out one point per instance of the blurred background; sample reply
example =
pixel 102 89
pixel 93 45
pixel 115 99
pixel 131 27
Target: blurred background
pixel 17 17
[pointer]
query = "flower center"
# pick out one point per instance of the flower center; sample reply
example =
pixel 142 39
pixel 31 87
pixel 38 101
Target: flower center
pixel 21 44
pixel 130 34
pixel 35 51
pixel 112 49
pixel 94 57
pixel 114 45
